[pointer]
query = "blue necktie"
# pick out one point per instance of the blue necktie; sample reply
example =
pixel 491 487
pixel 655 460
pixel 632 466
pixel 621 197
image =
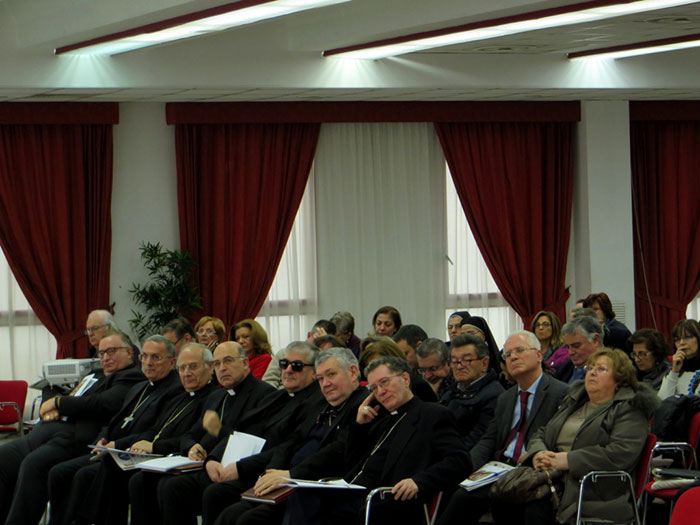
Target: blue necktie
pixel 579 373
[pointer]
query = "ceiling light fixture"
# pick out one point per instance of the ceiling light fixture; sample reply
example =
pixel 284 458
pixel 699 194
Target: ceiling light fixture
pixel 545 18
pixel 194 24
pixel 641 48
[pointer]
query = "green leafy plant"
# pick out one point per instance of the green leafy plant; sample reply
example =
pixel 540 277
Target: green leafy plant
pixel 169 292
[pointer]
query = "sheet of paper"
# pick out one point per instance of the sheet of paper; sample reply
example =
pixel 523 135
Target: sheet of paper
pixel 167 463
pixel 333 484
pixel 241 445
pixel 124 459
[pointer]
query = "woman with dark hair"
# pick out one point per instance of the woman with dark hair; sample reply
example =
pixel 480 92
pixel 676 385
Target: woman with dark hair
pixel 454 324
pixel 615 333
pixel 684 376
pixel 386 321
pixel 649 352
pixel 253 338
pixel 547 328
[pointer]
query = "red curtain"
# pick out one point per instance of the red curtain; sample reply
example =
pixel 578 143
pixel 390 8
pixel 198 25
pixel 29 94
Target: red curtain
pixel 55 225
pixel 239 189
pixel 515 181
pixel 666 205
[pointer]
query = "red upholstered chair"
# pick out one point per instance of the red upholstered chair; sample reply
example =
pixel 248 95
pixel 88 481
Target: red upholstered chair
pixel 13 394
pixel 687 508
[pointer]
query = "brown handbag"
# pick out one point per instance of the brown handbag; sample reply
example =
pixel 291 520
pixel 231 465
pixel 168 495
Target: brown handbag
pixel 525 484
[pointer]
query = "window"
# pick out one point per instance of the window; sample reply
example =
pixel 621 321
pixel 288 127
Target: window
pixel 24 342
pixel 469 282
pixel 290 307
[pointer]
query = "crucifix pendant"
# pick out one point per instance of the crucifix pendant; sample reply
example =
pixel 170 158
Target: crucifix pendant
pixel 127 420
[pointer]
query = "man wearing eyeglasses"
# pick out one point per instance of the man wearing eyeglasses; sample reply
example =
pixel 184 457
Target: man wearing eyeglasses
pixel 180 332
pixel 472 397
pixel 520 411
pixel 434 365
pixel 71 480
pixel 278 416
pixel 96 325
pixel 583 335
pixel 68 424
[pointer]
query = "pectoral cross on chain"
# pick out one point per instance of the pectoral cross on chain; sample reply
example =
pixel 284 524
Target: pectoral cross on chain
pixel 127 420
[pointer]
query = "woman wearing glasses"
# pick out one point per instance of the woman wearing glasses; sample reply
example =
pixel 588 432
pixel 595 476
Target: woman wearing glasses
pixel 253 338
pixel 210 331
pixel 649 352
pixel 602 424
pixel 547 328
pixel 684 376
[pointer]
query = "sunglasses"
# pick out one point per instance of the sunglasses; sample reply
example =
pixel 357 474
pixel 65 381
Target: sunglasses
pixel 297 366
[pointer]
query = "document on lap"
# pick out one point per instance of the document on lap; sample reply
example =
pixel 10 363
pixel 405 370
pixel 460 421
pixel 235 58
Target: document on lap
pixel 241 445
pixel 331 484
pixel 486 475
pixel 124 459
pixel 170 463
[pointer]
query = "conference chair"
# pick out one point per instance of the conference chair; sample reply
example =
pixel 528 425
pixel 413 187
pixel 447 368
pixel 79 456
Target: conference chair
pixel 13 395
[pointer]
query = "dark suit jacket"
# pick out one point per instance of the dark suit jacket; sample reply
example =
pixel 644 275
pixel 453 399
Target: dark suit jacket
pixel 177 418
pixel 426 446
pixel 99 403
pixel 249 394
pixel 157 395
pixel 277 418
pixel 549 394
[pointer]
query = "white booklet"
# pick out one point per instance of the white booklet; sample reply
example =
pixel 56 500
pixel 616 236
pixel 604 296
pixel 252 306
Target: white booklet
pixel 241 445
pixel 124 459
pixel 486 475
pixel 169 463
pixel 331 484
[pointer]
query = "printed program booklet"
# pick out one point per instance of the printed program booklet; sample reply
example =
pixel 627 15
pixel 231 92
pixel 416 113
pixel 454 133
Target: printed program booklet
pixel 486 475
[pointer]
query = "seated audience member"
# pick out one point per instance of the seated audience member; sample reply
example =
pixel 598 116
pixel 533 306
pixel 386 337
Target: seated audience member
pixel 385 347
pixel 577 307
pixel 602 424
pixel 96 325
pixel 472 396
pixel 210 331
pixel 277 417
pixel 684 376
pixel 345 330
pixel 338 375
pixel 320 327
pixel 325 342
pixel 180 332
pixel 70 480
pixel 253 338
pixel 478 326
pixel 547 327
pixel 107 504
pixel 397 441
pixel 616 333
pixel 583 335
pixel 510 429
pixel 69 424
pixel 434 365
pixel 386 321
pixel 649 352
pixel 454 324
pixel 408 338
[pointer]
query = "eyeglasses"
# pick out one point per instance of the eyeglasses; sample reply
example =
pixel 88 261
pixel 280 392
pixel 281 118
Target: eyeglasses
pixel 683 338
pixel 110 351
pixel 423 369
pixel 206 331
pixel 92 329
pixel 383 382
pixel 229 359
pixel 192 367
pixel 599 369
pixel 543 324
pixel 507 354
pixel 464 361
pixel 640 355
pixel 156 358
pixel 297 366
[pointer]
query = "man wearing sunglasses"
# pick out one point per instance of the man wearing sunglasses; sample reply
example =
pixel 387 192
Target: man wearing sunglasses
pixel 68 424
pixel 278 416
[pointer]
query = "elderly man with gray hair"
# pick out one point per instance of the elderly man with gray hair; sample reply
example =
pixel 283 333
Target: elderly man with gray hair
pixel 582 335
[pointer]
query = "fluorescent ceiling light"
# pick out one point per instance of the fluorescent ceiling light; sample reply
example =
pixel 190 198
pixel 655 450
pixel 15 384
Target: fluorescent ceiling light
pixel 195 24
pixel 555 17
pixel 641 48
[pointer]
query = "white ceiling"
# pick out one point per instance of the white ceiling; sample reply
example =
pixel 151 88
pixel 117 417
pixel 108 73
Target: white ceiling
pixel 281 59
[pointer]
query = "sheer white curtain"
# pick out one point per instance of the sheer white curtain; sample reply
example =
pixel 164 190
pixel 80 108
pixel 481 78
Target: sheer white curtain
pixel 380 226
pixel 290 308
pixel 693 311
pixel 469 282
pixel 24 342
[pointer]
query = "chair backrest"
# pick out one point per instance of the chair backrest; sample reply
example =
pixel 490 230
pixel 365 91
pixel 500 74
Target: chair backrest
pixel 642 472
pixel 12 392
pixel 687 508
pixel 694 430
